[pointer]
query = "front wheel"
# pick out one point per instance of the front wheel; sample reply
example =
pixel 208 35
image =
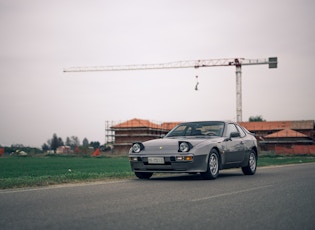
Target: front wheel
pixel 212 166
pixel 250 169
pixel 143 175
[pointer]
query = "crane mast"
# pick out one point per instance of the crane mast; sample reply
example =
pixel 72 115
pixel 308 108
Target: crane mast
pixel 237 62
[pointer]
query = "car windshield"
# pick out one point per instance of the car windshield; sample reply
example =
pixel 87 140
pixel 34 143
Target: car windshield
pixel 206 128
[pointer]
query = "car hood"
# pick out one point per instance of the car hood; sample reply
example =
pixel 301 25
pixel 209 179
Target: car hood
pixel 171 144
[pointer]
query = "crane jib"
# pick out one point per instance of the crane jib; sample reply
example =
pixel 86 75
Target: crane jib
pixel 237 62
pixel 272 61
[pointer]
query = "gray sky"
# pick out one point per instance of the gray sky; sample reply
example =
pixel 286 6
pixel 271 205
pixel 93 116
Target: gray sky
pixel 40 38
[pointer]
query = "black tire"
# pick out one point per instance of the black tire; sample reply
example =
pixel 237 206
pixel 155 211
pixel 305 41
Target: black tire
pixel 143 175
pixel 250 168
pixel 213 166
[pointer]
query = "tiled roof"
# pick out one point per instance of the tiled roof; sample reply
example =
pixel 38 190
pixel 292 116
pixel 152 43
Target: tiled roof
pixel 285 133
pixel 169 125
pixel 137 123
pixel 278 125
pixel 140 123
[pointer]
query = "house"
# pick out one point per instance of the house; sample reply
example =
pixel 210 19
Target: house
pixel 284 137
pixel 264 128
pixel 63 149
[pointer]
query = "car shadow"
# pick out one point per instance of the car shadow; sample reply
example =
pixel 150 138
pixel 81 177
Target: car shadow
pixel 192 177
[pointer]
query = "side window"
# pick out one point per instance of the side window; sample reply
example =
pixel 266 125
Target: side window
pixel 230 129
pixel 188 131
pixel 241 131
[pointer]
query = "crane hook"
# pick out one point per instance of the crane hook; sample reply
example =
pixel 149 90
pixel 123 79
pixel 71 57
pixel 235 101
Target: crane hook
pixel 197 83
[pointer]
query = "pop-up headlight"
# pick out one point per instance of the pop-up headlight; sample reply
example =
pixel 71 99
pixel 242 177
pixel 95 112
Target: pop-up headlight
pixel 137 147
pixel 184 146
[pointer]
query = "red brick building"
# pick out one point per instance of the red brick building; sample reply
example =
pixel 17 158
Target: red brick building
pixel 284 137
pixel 137 130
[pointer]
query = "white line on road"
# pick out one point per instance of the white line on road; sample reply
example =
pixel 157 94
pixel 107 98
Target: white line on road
pixel 29 189
pixel 230 193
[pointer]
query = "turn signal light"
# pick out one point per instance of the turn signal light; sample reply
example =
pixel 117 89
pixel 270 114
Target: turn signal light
pixel 188 158
pixel 184 158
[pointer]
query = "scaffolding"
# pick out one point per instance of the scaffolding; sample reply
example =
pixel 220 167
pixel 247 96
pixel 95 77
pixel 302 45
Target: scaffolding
pixel 109 132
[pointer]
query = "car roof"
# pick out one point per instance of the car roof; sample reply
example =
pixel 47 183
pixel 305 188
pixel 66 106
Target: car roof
pixel 222 121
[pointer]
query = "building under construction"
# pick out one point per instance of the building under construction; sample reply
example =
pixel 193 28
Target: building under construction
pixel 122 135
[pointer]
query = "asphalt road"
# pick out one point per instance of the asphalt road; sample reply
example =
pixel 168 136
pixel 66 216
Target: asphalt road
pixel 275 198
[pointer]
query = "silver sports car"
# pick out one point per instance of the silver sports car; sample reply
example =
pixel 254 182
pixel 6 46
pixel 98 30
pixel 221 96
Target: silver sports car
pixel 197 147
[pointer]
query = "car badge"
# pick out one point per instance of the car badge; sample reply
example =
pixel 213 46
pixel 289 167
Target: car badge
pixel 161 147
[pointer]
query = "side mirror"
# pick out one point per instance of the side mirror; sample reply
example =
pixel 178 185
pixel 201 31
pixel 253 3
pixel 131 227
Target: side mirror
pixel 235 134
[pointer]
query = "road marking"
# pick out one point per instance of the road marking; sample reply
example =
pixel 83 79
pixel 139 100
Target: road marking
pixel 30 189
pixel 230 193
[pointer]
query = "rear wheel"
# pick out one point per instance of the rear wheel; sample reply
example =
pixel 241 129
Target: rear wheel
pixel 143 175
pixel 212 166
pixel 250 169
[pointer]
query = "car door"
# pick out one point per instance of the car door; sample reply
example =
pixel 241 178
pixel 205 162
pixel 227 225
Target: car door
pixel 234 145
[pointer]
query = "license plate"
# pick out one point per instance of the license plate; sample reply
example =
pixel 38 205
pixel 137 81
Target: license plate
pixel 156 160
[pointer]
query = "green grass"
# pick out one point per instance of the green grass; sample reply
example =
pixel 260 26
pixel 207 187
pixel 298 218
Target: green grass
pixel 41 171
pixel 16 172
pixel 283 160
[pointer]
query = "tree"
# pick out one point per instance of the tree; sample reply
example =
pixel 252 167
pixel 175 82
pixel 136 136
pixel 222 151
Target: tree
pixel 85 142
pixel 95 144
pixel 73 142
pixel 60 141
pixel 68 141
pixel 55 142
pixel 256 118
pixel 45 147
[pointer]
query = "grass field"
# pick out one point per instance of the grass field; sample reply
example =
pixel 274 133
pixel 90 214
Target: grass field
pixel 18 172
pixel 41 171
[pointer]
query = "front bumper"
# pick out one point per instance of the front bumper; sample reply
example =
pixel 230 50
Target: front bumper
pixel 171 164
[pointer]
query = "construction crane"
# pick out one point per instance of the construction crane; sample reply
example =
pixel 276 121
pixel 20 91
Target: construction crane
pixel 237 62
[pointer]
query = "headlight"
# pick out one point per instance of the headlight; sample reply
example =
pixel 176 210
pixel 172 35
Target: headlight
pixel 137 147
pixel 133 158
pixel 184 146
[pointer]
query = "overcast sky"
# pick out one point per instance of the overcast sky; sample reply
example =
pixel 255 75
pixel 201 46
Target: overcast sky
pixel 40 38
